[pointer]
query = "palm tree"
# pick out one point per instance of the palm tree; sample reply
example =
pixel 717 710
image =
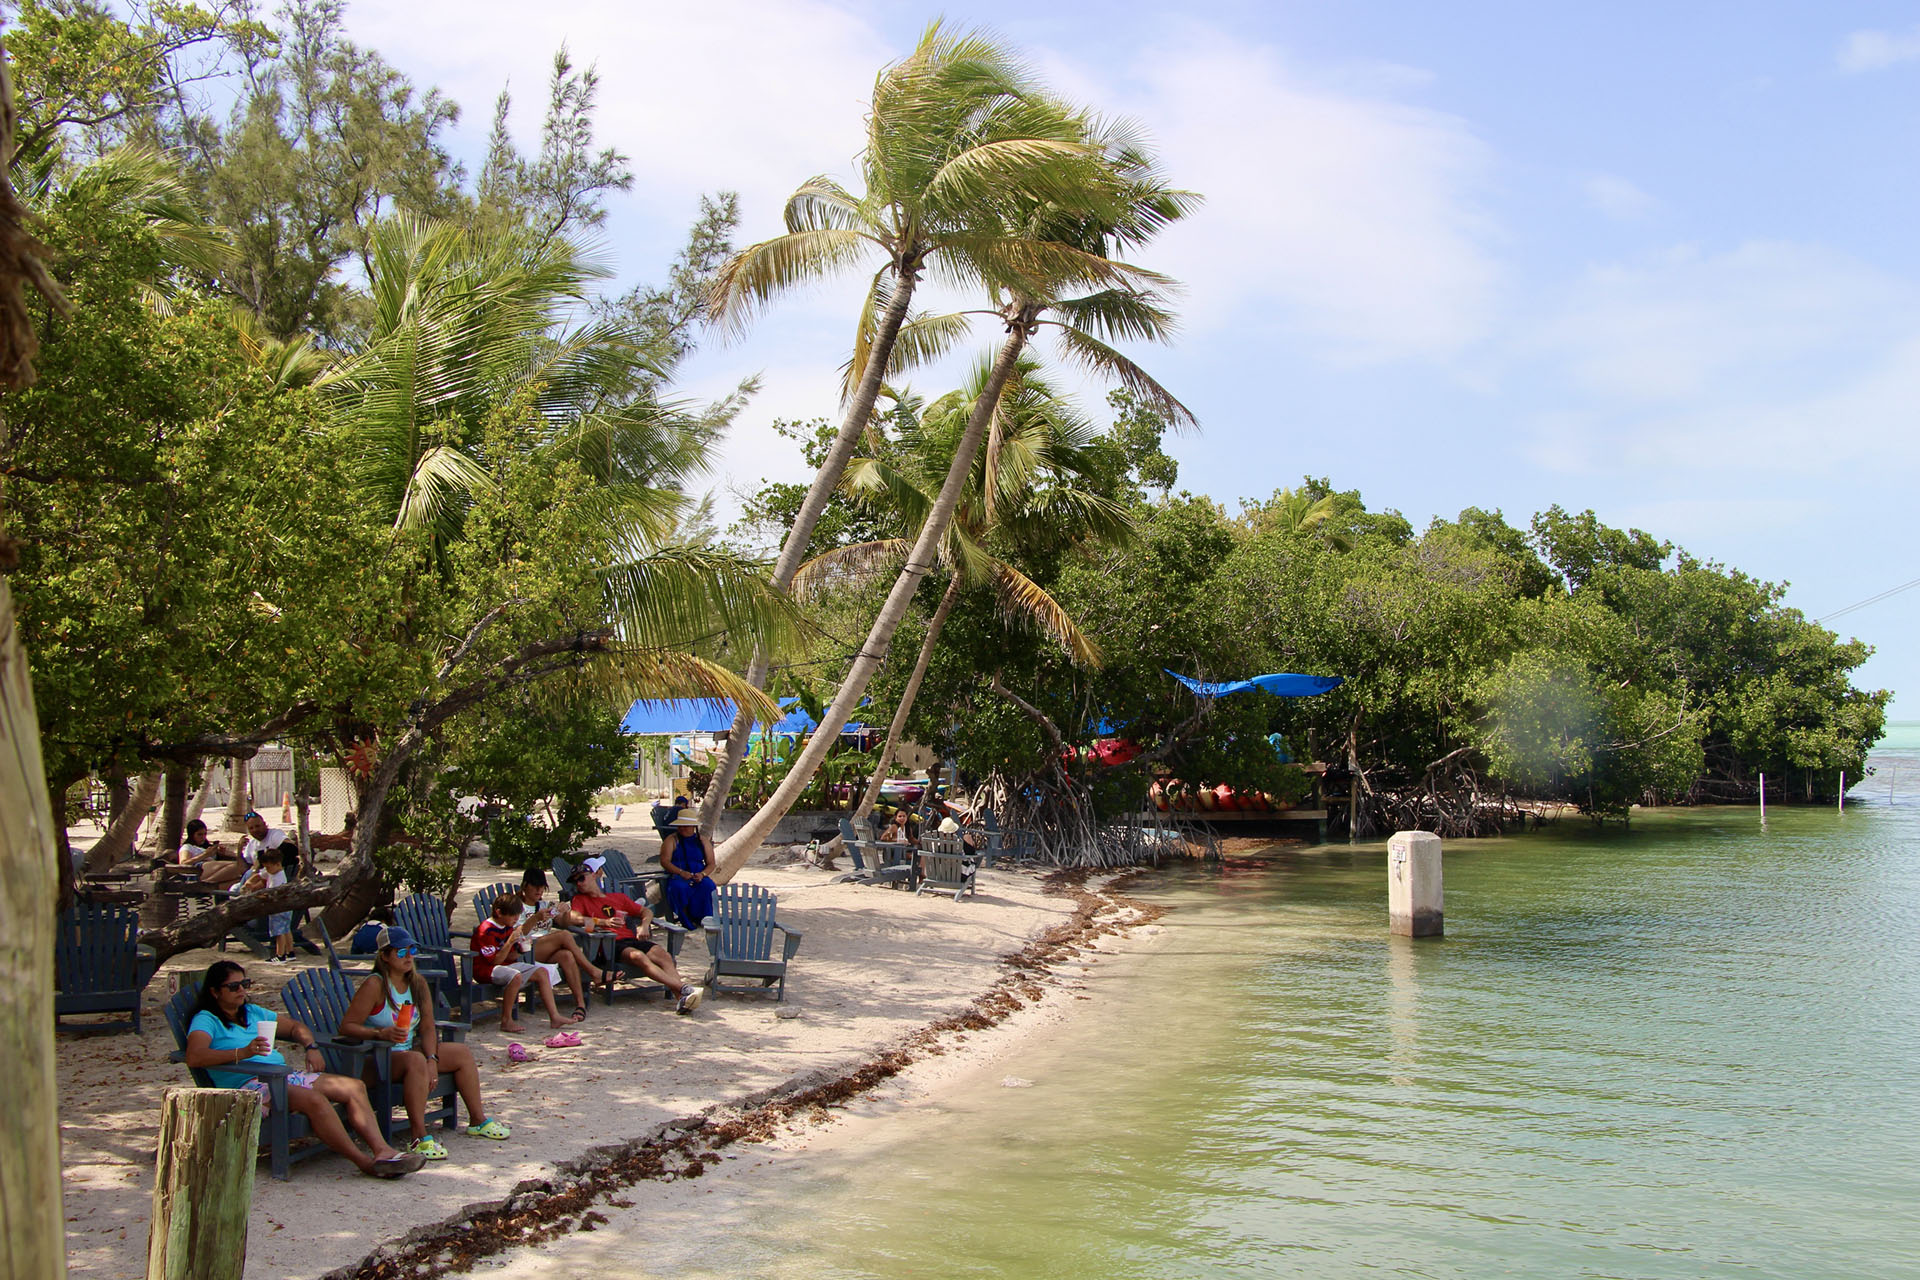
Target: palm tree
pixel 957 130
pixel 1045 451
pixel 469 367
pixel 1298 512
pixel 1129 302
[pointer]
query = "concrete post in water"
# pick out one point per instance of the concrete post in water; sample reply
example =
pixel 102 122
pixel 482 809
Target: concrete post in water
pixel 203 1184
pixel 1415 901
pixel 1763 799
pixel 1843 791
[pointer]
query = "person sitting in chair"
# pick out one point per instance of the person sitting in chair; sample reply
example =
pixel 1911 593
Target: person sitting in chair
pixel 222 1039
pixel 394 1005
pixel 632 926
pixel 686 858
pixel 547 939
pixel 497 960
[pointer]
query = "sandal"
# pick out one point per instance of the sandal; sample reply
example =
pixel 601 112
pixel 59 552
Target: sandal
pixel 397 1166
pixel 564 1040
pixel 427 1148
pixel 491 1129
pixel 517 1052
pixel 579 1013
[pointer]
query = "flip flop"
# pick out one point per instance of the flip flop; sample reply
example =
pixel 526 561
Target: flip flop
pixel 579 1013
pixel 517 1052
pixel 398 1166
pixel 563 1040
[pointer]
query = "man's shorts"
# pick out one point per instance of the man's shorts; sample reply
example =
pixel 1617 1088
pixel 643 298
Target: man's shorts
pixel 505 973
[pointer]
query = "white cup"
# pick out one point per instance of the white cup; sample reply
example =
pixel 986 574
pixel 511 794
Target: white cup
pixel 266 1026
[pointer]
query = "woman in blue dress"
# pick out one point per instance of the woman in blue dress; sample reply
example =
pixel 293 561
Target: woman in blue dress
pixel 686 858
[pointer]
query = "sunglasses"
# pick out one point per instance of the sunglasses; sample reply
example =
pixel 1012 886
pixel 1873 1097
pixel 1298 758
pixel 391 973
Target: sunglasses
pixel 242 984
pixel 406 953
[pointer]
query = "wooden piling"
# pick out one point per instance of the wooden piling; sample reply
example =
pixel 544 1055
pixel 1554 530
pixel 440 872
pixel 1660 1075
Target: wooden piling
pixel 1843 791
pixel 1416 900
pixel 1763 799
pixel 203 1184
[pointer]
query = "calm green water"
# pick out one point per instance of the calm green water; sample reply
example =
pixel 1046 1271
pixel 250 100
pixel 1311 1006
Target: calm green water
pixel 1685 1050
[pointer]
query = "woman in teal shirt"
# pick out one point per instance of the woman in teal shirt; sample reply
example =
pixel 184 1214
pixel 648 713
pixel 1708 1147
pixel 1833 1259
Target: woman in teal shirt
pixel 222 1039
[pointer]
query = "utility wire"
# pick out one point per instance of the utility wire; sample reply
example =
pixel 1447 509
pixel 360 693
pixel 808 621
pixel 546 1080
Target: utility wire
pixel 1861 604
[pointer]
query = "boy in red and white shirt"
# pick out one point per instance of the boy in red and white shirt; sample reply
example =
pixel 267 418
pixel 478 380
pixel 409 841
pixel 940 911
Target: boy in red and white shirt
pixel 497 959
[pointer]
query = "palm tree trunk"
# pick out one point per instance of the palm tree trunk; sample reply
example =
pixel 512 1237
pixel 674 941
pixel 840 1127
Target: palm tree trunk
pixel 733 855
pixel 899 724
pixel 793 552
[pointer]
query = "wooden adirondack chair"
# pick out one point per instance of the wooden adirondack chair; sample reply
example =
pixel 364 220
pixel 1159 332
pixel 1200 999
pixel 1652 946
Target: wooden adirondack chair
pixel 425 917
pixel 100 965
pixel 620 877
pixel 319 998
pixel 280 1127
pixel 888 864
pixel 946 864
pixel 740 940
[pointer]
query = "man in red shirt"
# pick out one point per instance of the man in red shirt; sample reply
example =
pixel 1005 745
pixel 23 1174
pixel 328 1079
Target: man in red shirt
pixel 496 960
pixel 632 927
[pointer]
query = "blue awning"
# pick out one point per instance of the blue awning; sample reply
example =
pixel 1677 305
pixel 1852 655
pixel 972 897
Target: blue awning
pixel 1281 684
pixel 701 715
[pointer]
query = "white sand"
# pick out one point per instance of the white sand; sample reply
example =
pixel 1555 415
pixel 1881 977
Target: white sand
pixel 874 965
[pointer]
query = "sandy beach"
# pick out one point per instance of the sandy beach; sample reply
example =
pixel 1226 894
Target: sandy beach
pixel 876 968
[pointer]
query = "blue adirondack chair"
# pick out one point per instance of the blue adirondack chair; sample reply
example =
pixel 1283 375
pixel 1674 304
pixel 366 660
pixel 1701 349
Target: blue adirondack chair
pixel 319 998
pixel 740 940
pixel 280 1127
pixel 425 917
pixel 100 964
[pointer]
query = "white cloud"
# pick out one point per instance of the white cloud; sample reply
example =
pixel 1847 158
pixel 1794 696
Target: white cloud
pixel 1335 213
pixel 1617 197
pixel 1760 318
pixel 1878 50
pixel 737 94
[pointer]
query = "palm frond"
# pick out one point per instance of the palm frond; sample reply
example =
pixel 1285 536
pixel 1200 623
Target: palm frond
pixel 680 596
pixel 760 272
pixel 1083 349
pixel 858 562
pixel 1026 601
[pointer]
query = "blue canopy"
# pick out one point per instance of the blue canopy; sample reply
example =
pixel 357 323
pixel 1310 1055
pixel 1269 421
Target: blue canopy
pixel 679 715
pixel 701 715
pixel 1281 684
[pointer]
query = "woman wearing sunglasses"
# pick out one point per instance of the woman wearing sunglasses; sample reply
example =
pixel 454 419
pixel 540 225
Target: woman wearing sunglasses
pixel 226 1034
pixel 395 1005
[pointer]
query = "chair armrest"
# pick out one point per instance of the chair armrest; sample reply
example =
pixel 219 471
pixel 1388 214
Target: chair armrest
pixel 178 1056
pixel 793 945
pixel 454 1031
pixel 266 1070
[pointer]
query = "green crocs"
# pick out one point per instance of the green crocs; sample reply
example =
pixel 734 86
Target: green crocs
pixel 430 1147
pixel 491 1129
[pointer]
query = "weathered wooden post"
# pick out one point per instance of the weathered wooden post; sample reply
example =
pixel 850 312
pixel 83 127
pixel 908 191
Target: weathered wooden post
pixel 1843 791
pixel 203 1184
pixel 1415 900
pixel 1763 799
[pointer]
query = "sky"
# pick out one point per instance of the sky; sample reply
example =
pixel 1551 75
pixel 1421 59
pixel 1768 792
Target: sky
pixel 1648 259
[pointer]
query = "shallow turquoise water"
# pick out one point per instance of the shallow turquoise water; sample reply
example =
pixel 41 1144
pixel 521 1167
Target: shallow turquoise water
pixel 1684 1050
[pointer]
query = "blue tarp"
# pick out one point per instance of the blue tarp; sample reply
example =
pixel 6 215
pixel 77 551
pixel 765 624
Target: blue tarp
pixel 1281 684
pixel 698 715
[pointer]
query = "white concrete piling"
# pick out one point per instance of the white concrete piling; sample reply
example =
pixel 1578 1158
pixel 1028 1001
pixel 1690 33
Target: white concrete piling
pixel 1416 902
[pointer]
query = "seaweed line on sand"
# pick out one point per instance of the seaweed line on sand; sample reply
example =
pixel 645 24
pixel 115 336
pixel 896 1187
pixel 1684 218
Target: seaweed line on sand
pixel 541 1209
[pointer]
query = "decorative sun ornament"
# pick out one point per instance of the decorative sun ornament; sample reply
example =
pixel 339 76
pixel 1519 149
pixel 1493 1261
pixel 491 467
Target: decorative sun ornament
pixel 363 757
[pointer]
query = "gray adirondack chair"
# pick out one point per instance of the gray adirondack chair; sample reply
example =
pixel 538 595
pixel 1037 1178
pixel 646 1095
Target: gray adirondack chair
pixel 740 940
pixel 884 863
pixel 319 998
pixel 947 866
pixel 280 1127
pixel 599 946
pixel 100 964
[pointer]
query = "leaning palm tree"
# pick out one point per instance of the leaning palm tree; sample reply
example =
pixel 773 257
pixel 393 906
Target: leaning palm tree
pixel 1127 302
pixel 957 131
pixel 1046 453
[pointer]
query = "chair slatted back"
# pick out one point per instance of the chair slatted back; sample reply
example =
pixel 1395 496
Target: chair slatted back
pixel 319 998
pixel 96 949
pixel 852 842
pixel 561 870
pixel 180 1010
pixel 483 901
pixel 425 917
pixel 745 915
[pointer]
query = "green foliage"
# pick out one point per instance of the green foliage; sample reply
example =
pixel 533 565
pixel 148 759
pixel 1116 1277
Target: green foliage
pixel 542 759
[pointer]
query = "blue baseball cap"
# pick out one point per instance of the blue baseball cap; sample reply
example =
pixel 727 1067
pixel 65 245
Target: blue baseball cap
pixel 392 936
